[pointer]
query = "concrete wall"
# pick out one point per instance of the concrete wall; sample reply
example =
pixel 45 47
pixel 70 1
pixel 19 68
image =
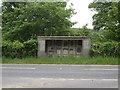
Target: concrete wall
pixel 41 48
pixel 42 45
pixel 85 47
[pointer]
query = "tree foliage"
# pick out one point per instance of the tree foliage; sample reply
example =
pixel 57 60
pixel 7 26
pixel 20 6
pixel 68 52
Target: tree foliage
pixel 78 32
pixel 107 18
pixel 23 21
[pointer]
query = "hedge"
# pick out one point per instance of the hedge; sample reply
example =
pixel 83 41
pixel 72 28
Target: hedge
pixel 18 49
pixel 110 48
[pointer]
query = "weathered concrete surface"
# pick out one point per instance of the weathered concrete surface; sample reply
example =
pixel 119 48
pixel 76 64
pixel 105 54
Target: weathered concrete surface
pixel 49 45
pixel 41 48
pixel 86 47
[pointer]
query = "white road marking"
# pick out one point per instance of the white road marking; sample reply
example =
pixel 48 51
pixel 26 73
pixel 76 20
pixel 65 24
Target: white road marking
pixel 101 79
pixel 100 69
pixel 79 79
pixel 15 68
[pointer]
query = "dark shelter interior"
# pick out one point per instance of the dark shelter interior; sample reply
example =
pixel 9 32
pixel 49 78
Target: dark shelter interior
pixel 63 47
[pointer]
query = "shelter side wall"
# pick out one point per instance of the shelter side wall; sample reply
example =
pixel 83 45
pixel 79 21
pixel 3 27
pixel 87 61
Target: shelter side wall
pixel 41 48
pixel 85 47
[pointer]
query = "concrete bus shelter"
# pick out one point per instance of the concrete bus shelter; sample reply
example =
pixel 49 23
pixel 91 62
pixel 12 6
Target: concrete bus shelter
pixel 63 46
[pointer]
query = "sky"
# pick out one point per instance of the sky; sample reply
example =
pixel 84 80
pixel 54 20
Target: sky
pixel 84 14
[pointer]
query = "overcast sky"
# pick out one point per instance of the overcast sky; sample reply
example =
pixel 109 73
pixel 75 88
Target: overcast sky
pixel 84 14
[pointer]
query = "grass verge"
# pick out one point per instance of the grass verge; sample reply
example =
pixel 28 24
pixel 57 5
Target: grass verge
pixel 63 60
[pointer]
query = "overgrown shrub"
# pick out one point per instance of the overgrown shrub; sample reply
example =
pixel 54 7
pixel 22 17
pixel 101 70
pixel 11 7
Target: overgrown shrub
pixel 30 48
pixel 12 49
pixel 109 48
pixel 17 49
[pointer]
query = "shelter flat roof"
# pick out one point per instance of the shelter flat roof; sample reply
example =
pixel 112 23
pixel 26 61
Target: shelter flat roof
pixel 62 37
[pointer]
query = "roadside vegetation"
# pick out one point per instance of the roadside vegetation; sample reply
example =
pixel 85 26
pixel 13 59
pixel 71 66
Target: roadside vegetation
pixel 22 22
pixel 64 60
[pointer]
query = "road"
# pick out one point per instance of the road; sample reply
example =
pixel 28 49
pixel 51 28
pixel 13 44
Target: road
pixel 59 76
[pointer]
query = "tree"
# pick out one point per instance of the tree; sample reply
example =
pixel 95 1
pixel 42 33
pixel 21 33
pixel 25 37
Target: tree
pixel 23 21
pixel 106 19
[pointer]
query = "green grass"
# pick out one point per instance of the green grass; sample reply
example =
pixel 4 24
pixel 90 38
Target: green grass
pixel 63 60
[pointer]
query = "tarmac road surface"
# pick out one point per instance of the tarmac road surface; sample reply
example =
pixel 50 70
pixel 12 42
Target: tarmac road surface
pixel 59 76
